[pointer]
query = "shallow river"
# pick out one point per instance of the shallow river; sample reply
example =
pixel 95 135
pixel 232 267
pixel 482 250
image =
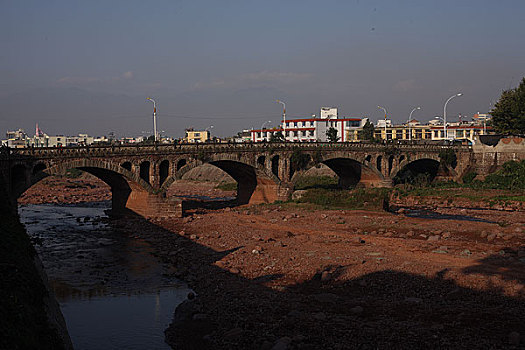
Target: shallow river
pixel 113 292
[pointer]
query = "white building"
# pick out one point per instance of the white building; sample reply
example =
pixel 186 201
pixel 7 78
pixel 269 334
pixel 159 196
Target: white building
pixel 312 129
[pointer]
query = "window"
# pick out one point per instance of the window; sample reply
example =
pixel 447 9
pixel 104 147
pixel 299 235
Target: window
pixel 197 134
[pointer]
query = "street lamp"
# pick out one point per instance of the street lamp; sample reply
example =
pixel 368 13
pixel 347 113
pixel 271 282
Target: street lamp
pixel 409 119
pixel 262 127
pixel 445 136
pixel 384 109
pixel 284 117
pixel 154 117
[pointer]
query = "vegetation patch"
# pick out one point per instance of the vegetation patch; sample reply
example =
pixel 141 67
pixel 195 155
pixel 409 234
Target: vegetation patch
pixel 367 199
pixel 307 182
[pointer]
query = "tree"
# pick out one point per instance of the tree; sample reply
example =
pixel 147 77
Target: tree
pixel 331 134
pixel 277 137
pixel 368 132
pixel 508 115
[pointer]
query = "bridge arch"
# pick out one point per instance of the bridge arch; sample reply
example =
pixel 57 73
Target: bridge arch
pixel 164 171
pixel 254 184
pixel 121 181
pixel 351 172
pixel 418 168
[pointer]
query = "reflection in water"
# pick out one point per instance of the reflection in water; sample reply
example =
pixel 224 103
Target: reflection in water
pixel 122 321
pixel 113 292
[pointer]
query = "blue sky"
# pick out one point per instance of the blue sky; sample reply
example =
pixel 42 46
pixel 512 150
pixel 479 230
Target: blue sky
pixel 87 66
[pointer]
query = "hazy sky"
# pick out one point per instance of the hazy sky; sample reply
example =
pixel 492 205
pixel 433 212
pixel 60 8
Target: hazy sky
pixel 88 66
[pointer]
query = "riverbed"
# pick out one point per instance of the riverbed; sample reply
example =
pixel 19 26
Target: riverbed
pixel 112 289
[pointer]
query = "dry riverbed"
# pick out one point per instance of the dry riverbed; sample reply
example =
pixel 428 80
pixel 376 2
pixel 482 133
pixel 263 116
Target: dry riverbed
pixel 288 276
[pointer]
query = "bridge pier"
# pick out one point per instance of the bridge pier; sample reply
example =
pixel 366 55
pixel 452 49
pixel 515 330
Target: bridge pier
pixel 148 205
pixel 267 191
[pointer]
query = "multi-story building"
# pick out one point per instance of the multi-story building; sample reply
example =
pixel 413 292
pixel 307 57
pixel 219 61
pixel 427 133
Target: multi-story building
pixel 433 131
pixel 196 136
pixel 314 128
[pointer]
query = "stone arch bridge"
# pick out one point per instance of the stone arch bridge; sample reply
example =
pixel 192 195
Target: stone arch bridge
pixel 139 176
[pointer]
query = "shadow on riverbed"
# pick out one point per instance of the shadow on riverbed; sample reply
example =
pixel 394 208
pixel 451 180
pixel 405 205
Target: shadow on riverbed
pixel 382 309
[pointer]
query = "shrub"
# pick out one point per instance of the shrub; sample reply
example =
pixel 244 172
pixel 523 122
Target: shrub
pixel 469 177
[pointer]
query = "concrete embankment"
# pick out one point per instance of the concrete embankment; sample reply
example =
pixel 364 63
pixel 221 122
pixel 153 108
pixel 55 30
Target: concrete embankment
pixel 30 317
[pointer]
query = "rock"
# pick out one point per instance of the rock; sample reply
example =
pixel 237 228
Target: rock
pixel 491 237
pixel 423 236
pixel 235 270
pixel 434 238
pixel 227 209
pixel 282 343
pixel 200 317
pixel 357 310
pixel 446 235
pixel 483 234
pixel 453 294
pixel 413 300
pixel 508 237
pixel 193 237
pixel 324 216
pixel 295 314
pixel 466 252
pixel 266 345
pixel 402 211
pixel 410 233
pixel 233 333
pixel 320 316
pixel 389 234
pixel 514 338
pixel 326 276
pixel 326 298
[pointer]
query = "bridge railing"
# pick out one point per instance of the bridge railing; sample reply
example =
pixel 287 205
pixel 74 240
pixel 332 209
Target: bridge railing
pixel 218 147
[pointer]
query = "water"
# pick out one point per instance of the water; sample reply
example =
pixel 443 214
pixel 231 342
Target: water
pixel 428 214
pixel 114 294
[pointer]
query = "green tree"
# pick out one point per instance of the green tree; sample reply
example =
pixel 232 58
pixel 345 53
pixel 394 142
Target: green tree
pixel 331 134
pixel 508 115
pixel 277 137
pixel 368 132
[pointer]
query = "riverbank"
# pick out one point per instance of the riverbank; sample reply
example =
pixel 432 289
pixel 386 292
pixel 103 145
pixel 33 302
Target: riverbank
pixel 268 275
pixel 30 317
pixel 295 276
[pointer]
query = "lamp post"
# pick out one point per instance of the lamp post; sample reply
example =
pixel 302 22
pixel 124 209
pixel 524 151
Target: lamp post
pixel 262 127
pixel 384 109
pixel 284 117
pixel 409 119
pixel 154 117
pixel 445 136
